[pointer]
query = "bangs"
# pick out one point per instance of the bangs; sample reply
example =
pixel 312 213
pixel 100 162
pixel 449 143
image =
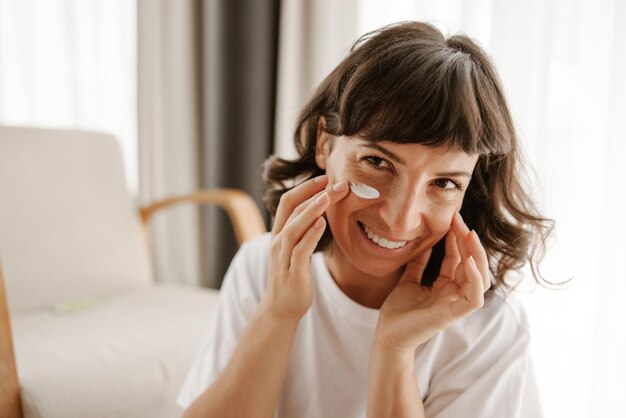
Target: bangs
pixel 438 96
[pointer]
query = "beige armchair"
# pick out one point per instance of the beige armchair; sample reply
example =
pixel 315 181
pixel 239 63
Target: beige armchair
pixel 84 330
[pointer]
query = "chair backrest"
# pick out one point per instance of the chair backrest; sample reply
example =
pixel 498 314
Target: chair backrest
pixel 68 226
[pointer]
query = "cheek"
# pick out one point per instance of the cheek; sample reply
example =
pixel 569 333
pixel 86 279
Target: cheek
pixel 339 212
pixel 337 221
pixel 439 218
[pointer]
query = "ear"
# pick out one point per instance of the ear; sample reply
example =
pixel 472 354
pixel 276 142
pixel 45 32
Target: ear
pixel 322 144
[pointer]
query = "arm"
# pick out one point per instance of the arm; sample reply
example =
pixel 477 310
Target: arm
pixel 392 389
pixel 489 372
pixel 251 382
pixel 412 314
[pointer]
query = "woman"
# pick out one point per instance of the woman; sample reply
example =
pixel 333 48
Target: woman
pixel 380 290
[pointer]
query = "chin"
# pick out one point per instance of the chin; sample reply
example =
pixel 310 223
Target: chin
pixel 385 273
pixel 380 268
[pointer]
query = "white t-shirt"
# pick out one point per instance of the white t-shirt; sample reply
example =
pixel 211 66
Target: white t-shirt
pixel 478 367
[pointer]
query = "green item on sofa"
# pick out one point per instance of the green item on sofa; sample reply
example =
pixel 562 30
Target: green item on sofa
pixel 75 305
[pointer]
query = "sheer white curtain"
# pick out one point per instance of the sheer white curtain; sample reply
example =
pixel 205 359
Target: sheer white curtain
pixel 563 66
pixel 71 64
pixel 314 37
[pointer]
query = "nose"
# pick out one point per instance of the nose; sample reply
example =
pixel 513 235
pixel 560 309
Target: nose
pixel 404 212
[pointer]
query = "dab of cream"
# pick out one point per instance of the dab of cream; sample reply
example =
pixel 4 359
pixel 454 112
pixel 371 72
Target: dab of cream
pixel 364 191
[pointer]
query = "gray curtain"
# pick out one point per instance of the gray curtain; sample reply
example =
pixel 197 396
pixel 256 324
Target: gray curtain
pixel 239 61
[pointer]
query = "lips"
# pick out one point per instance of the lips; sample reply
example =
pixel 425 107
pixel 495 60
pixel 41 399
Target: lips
pixel 381 241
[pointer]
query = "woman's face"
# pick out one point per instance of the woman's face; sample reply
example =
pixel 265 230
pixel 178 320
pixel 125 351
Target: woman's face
pixel 420 190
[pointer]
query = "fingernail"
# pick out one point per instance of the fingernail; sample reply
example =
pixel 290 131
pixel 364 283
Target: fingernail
pixel 342 186
pixel 475 235
pixel 321 178
pixel 323 198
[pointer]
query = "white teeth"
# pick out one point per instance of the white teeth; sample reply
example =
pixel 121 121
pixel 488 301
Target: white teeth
pixel 383 242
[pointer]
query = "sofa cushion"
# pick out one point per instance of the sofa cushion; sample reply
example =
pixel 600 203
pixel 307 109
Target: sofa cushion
pixel 131 364
pixel 68 225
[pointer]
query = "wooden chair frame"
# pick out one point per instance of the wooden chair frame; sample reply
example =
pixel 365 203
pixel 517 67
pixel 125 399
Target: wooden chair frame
pixel 247 223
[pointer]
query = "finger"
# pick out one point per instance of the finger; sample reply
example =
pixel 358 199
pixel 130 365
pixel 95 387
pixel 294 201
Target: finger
pixel 459 277
pixel 291 199
pixel 301 254
pixel 440 282
pixel 293 232
pixel 446 288
pixel 469 245
pixel 452 257
pixel 336 192
pixel 298 210
pixel 472 290
pixel 479 254
pixel 460 230
pixel 415 268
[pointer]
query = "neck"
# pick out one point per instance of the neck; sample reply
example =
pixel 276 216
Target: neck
pixel 365 289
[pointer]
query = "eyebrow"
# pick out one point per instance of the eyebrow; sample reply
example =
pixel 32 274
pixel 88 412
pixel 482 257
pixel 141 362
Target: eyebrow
pixel 385 151
pixel 399 160
pixel 454 174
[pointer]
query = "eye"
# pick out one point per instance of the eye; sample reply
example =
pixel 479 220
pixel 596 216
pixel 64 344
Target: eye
pixel 376 162
pixel 447 184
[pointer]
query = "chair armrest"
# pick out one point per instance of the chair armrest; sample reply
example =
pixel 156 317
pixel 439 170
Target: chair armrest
pixel 240 207
pixel 10 402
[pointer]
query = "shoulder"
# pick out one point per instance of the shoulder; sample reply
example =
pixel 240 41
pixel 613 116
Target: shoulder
pixel 241 291
pixel 253 253
pixel 481 361
pixel 248 270
pixel 256 247
pixel 499 329
pixel 503 314
pixel 500 321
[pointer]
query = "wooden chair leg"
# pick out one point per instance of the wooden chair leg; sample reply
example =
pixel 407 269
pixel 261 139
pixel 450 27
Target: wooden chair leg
pixel 10 402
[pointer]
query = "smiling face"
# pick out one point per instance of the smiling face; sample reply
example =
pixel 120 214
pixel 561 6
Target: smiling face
pixel 420 190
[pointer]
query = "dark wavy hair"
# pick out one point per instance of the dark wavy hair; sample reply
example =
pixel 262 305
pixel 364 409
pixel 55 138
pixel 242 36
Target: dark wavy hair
pixel 407 83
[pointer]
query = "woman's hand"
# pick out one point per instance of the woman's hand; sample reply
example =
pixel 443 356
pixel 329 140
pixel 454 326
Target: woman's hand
pixel 412 313
pixel 250 384
pixel 298 227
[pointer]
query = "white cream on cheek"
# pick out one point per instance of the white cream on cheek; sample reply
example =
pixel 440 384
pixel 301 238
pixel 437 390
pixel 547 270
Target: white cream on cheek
pixel 364 191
